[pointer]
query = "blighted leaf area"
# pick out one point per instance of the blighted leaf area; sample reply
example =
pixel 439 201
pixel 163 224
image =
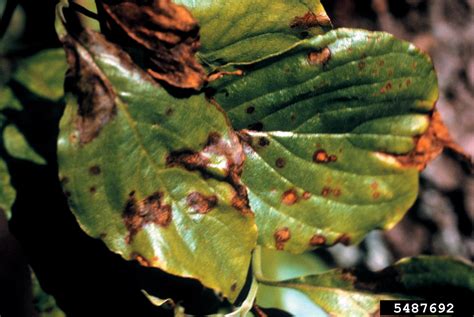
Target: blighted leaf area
pixel 149 210
pixel 165 34
pixel 222 158
pixel 311 20
pixel 96 97
pixel 431 144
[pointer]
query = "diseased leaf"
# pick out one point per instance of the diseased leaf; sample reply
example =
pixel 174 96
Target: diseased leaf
pixel 335 115
pixel 154 183
pixel 359 292
pixel 165 33
pixel 245 31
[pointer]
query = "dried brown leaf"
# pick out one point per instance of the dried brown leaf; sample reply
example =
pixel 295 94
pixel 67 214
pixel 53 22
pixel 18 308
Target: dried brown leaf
pixel 166 34
pixel 431 144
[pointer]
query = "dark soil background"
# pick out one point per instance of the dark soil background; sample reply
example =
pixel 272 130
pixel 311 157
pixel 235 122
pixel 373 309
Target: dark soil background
pixel 441 222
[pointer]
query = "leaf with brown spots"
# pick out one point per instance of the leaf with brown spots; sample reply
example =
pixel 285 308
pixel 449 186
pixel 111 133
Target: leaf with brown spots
pixel 166 35
pixel 342 110
pixel 359 292
pixel 246 31
pixel 156 184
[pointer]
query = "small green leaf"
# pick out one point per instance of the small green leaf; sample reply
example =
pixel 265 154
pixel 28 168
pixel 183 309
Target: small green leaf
pixel 246 31
pixel 7 192
pixel 29 99
pixel 281 265
pixel 335 111
pixel 45 304
pixel 17 146
pixel 359 292
pixel 41 73
pixel 130 157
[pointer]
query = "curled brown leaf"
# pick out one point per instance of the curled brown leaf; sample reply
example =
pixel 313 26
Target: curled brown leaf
pixel 431 144
pixel 165 34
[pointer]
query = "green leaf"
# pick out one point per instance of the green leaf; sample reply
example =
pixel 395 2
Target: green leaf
pixel 336 111
pixel 132 158
pixel 246 31
pixel 42 73
pixel 7 192
pixel 30 98
pixel 17 146
pixel 339 291
pixel 281 265
pixel 45 304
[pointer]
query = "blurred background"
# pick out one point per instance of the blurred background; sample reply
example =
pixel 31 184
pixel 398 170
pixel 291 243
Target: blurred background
pixel 441 221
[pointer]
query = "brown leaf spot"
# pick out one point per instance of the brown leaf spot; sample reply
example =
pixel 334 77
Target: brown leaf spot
pixel 321 156
pixel 233 287
pixel 281 236
pixel 93 190
pixel 310 20
pixel 73 138
pixel 431 144
pixel 374 185
pixel 326 191
pixel 408 82
pixel 348 276
pixel 381 62
pixel 219 74
pixel 250 109
pixel 376 195
pixel 317 240
pixel 306 195
pixel 166 34
pixel 344 239
pixel 201 203
pixel 95 170
pixel 280 162
pixel 140 259
pixel 336 192
pixel 290 197
pixel 386 88
pixel 169 112
pixel 263 141
pixel 136 214
pixel 361 65
pixel 319 57
pixel 257 126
